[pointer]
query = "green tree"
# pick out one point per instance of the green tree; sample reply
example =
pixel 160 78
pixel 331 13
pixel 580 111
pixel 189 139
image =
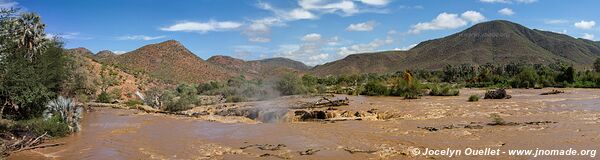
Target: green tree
pixel 597 65
pixel 31 66
pixel 290 85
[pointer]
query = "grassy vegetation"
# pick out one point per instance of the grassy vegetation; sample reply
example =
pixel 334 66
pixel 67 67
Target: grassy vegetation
pixel 474 98
pixel 53 126
pixel 443 90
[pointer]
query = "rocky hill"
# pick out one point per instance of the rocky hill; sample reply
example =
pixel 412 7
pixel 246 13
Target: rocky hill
pixel 497 42
pixel 105 54
pixel 267 68
pixel 169 61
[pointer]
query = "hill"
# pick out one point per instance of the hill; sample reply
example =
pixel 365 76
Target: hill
pixel 105 54
pixel 497 42
pixel 267 68
pixel 169 61
pixel 283 62
pixel 80 51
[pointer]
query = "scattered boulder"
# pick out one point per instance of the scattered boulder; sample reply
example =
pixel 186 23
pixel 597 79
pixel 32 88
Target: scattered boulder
pixel 552 92
pixel 269 147
pixel 310 151
pixel 497 94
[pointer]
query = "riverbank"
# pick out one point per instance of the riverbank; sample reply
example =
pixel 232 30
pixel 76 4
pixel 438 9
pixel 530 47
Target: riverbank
pixel 568 120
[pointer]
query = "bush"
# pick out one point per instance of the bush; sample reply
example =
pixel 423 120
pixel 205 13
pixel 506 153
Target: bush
pixel 234 99
pixel 66 110
pixel 443 90
pixel 473 98
pixel 291 85
pixel 54 126
pixel 133 102
pixel 104 98
pixel 497 120
pixel 407 87
pixel 375 88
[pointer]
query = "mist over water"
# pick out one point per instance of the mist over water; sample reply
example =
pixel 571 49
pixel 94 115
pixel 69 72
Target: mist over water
pixel 269 112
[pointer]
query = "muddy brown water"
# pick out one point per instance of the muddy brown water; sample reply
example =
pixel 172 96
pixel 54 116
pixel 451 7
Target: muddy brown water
pixel 131 134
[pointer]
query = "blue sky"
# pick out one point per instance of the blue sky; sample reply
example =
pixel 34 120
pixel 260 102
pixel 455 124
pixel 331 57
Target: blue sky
pixel 311 31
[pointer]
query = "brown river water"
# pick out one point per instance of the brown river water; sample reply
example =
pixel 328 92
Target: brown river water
pixel 132 134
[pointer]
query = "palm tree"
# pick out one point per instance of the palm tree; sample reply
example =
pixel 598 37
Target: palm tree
pixel 30 34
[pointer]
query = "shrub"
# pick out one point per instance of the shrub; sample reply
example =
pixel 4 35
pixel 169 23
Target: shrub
pixel 375 88
pixel 65 109
pixel 133 102
pixel 104 98
pixel 497 120
pixel 234 99
pixel 407 87
pixel 473 98
pixel 597 65
pixel 443 90
pixel 53 126
pixel 291 85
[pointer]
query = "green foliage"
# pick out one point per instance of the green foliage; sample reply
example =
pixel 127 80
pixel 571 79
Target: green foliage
pixel 104 97
pixel 291 85
pixel 376 88
pixel 32 67
pixel 66 109
pixel 474 98
pixel 185 97
pixel 443 90
pixel 238 89
pixel 527 78
pixel 133 102
pixel 567 75
pixel 597 65
pixel 53 126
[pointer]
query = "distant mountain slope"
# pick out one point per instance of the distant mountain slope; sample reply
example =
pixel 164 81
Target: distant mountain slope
pixel 267 68
pixel 283 62
pixel 105 54
pixel 380 62
pixel 169 61
pixel 81 51
pixel 497 42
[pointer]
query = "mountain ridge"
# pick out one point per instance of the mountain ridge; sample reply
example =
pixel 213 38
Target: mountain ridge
pixel 497 42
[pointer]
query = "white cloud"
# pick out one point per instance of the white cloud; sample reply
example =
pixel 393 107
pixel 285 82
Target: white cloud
pixel 448 21
pixel 588 36
pixel 506 11
pixel 365 26
pixel 119 52
pixel 585 24
pixel 140 37
pixel 313 37
pixel 372 46
pixel 406 48
pixel 294 14
pixel 495 1
pixel 347 7
pixel 308 53
pixel 70 35
pixel 6 4
pixel 376 2
pixel 310 10
pixel 203 27
pixel 556 21
pixel 260 39
pixel 473 16
pixel 508 1
pixel 526 1
pixel 314 49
